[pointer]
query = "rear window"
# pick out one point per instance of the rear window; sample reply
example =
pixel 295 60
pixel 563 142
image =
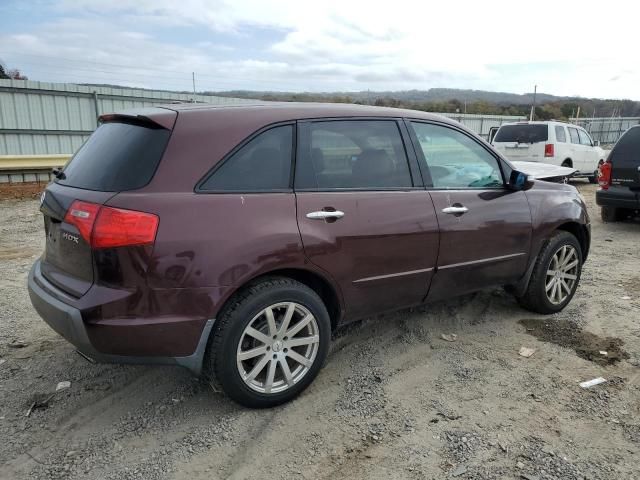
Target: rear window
pixel 261 165
pixel 522 133
pixel 117 157
pixel 627 150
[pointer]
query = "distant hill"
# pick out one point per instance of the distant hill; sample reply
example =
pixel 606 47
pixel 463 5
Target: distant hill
pixel 458 100
pixel 451 100
pixel 431 95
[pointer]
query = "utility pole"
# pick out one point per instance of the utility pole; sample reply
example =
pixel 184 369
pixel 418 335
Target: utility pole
pixel 193 79
pixel 532 115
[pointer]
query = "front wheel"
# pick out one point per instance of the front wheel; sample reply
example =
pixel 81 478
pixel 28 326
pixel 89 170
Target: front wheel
pixel 270 343
pixel 555 276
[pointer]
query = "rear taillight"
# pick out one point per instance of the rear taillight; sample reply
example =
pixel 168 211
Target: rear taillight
pixel 107 227
pixel 82 215
pixel 604 175
pixel 118 228
pixel 549 150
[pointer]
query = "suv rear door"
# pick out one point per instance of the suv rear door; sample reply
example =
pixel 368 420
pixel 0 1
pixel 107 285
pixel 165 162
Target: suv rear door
pixel 363 215
pixel 485 228
pixel 625 160
pixel 122 154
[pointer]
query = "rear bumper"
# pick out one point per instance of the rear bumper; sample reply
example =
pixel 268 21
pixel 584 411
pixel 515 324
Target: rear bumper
pixel 67 321
pixel 618 197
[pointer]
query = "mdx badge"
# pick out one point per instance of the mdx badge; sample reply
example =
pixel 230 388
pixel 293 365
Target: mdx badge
pixel 71 238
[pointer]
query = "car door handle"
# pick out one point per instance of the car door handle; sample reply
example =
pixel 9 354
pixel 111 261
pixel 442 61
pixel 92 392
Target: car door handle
pixel 323 215
pixel 455 210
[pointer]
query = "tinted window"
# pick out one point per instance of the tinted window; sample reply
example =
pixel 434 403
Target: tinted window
pixel 263 164
pixel 367 154
pixel 117 157
pixel 584 138
pixel 456 160
pixel 561 135
pixel 627 150
pixel 573 133
pixel 526 133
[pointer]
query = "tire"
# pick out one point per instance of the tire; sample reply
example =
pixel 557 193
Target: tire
pixel 537 296
pixel 611 214
pixel 593 178
pixel 224 365
pixel 567 163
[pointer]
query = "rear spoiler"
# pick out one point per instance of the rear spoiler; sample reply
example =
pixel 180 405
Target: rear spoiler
pixel 144 117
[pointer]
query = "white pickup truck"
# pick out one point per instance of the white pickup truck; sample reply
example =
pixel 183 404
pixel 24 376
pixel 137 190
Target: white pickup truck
pixel 552 142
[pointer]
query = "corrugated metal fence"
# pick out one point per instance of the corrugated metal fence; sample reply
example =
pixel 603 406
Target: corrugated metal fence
pixel 39 118
pixel 481 124
pixel 607 129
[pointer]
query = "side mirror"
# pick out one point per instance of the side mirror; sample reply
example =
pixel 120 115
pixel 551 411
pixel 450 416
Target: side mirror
pixel 596 143
pixel 520 181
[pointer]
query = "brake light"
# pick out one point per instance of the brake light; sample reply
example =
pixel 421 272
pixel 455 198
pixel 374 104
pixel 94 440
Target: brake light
pixel 604 175
pixel 116 227
pixel 108 227
pixel 82 215
pixel 549 150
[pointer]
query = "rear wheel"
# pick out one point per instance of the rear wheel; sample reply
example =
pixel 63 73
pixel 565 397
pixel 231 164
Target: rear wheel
pixel 270 343
pixel 555 275
pixel 593 178
pixel 611 214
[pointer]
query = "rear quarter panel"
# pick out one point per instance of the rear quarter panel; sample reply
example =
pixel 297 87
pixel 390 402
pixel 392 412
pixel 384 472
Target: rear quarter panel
pixel 209 244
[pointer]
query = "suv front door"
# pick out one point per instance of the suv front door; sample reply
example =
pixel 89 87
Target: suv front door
pixel 485 228
pixel 590 156
pixel 363 214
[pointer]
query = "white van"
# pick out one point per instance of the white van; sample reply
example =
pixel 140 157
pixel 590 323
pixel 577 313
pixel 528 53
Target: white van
pixel 551 142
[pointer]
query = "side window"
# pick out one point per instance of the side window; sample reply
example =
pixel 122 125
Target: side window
pixel 584 138
pixel 561 135
pixel 353 154
pixel 573 133
pixel 263 164
pixel 456 160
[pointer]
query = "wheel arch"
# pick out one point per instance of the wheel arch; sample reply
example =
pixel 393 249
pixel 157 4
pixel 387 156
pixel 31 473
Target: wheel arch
pixel 325 289
pixel 578 230
pixel 581 233
pixel 567 161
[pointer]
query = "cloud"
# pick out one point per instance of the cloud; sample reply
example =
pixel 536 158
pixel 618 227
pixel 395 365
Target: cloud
pixel 338 44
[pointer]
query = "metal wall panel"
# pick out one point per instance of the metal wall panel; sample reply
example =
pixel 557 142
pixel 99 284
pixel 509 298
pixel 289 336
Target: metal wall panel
pixel 607 130
pixel 38 118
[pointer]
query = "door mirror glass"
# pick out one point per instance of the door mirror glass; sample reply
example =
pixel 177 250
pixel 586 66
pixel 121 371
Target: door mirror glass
pixel 519 180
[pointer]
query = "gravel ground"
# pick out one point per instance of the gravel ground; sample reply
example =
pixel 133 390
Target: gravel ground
pixel 394 400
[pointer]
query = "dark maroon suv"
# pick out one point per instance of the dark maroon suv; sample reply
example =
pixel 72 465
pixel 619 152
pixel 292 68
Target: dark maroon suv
pixel 233 240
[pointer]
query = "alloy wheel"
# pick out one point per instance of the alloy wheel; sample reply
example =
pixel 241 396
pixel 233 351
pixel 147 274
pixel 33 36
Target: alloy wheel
pixel 278 347
pixel 562 274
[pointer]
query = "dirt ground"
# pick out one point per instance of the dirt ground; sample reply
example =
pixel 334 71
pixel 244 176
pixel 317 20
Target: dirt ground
pixel 394 401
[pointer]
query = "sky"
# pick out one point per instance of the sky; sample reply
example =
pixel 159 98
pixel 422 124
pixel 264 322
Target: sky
pixel 580 48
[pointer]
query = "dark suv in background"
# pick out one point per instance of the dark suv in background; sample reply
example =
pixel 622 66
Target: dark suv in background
pixel 233 240
pixel 619 178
